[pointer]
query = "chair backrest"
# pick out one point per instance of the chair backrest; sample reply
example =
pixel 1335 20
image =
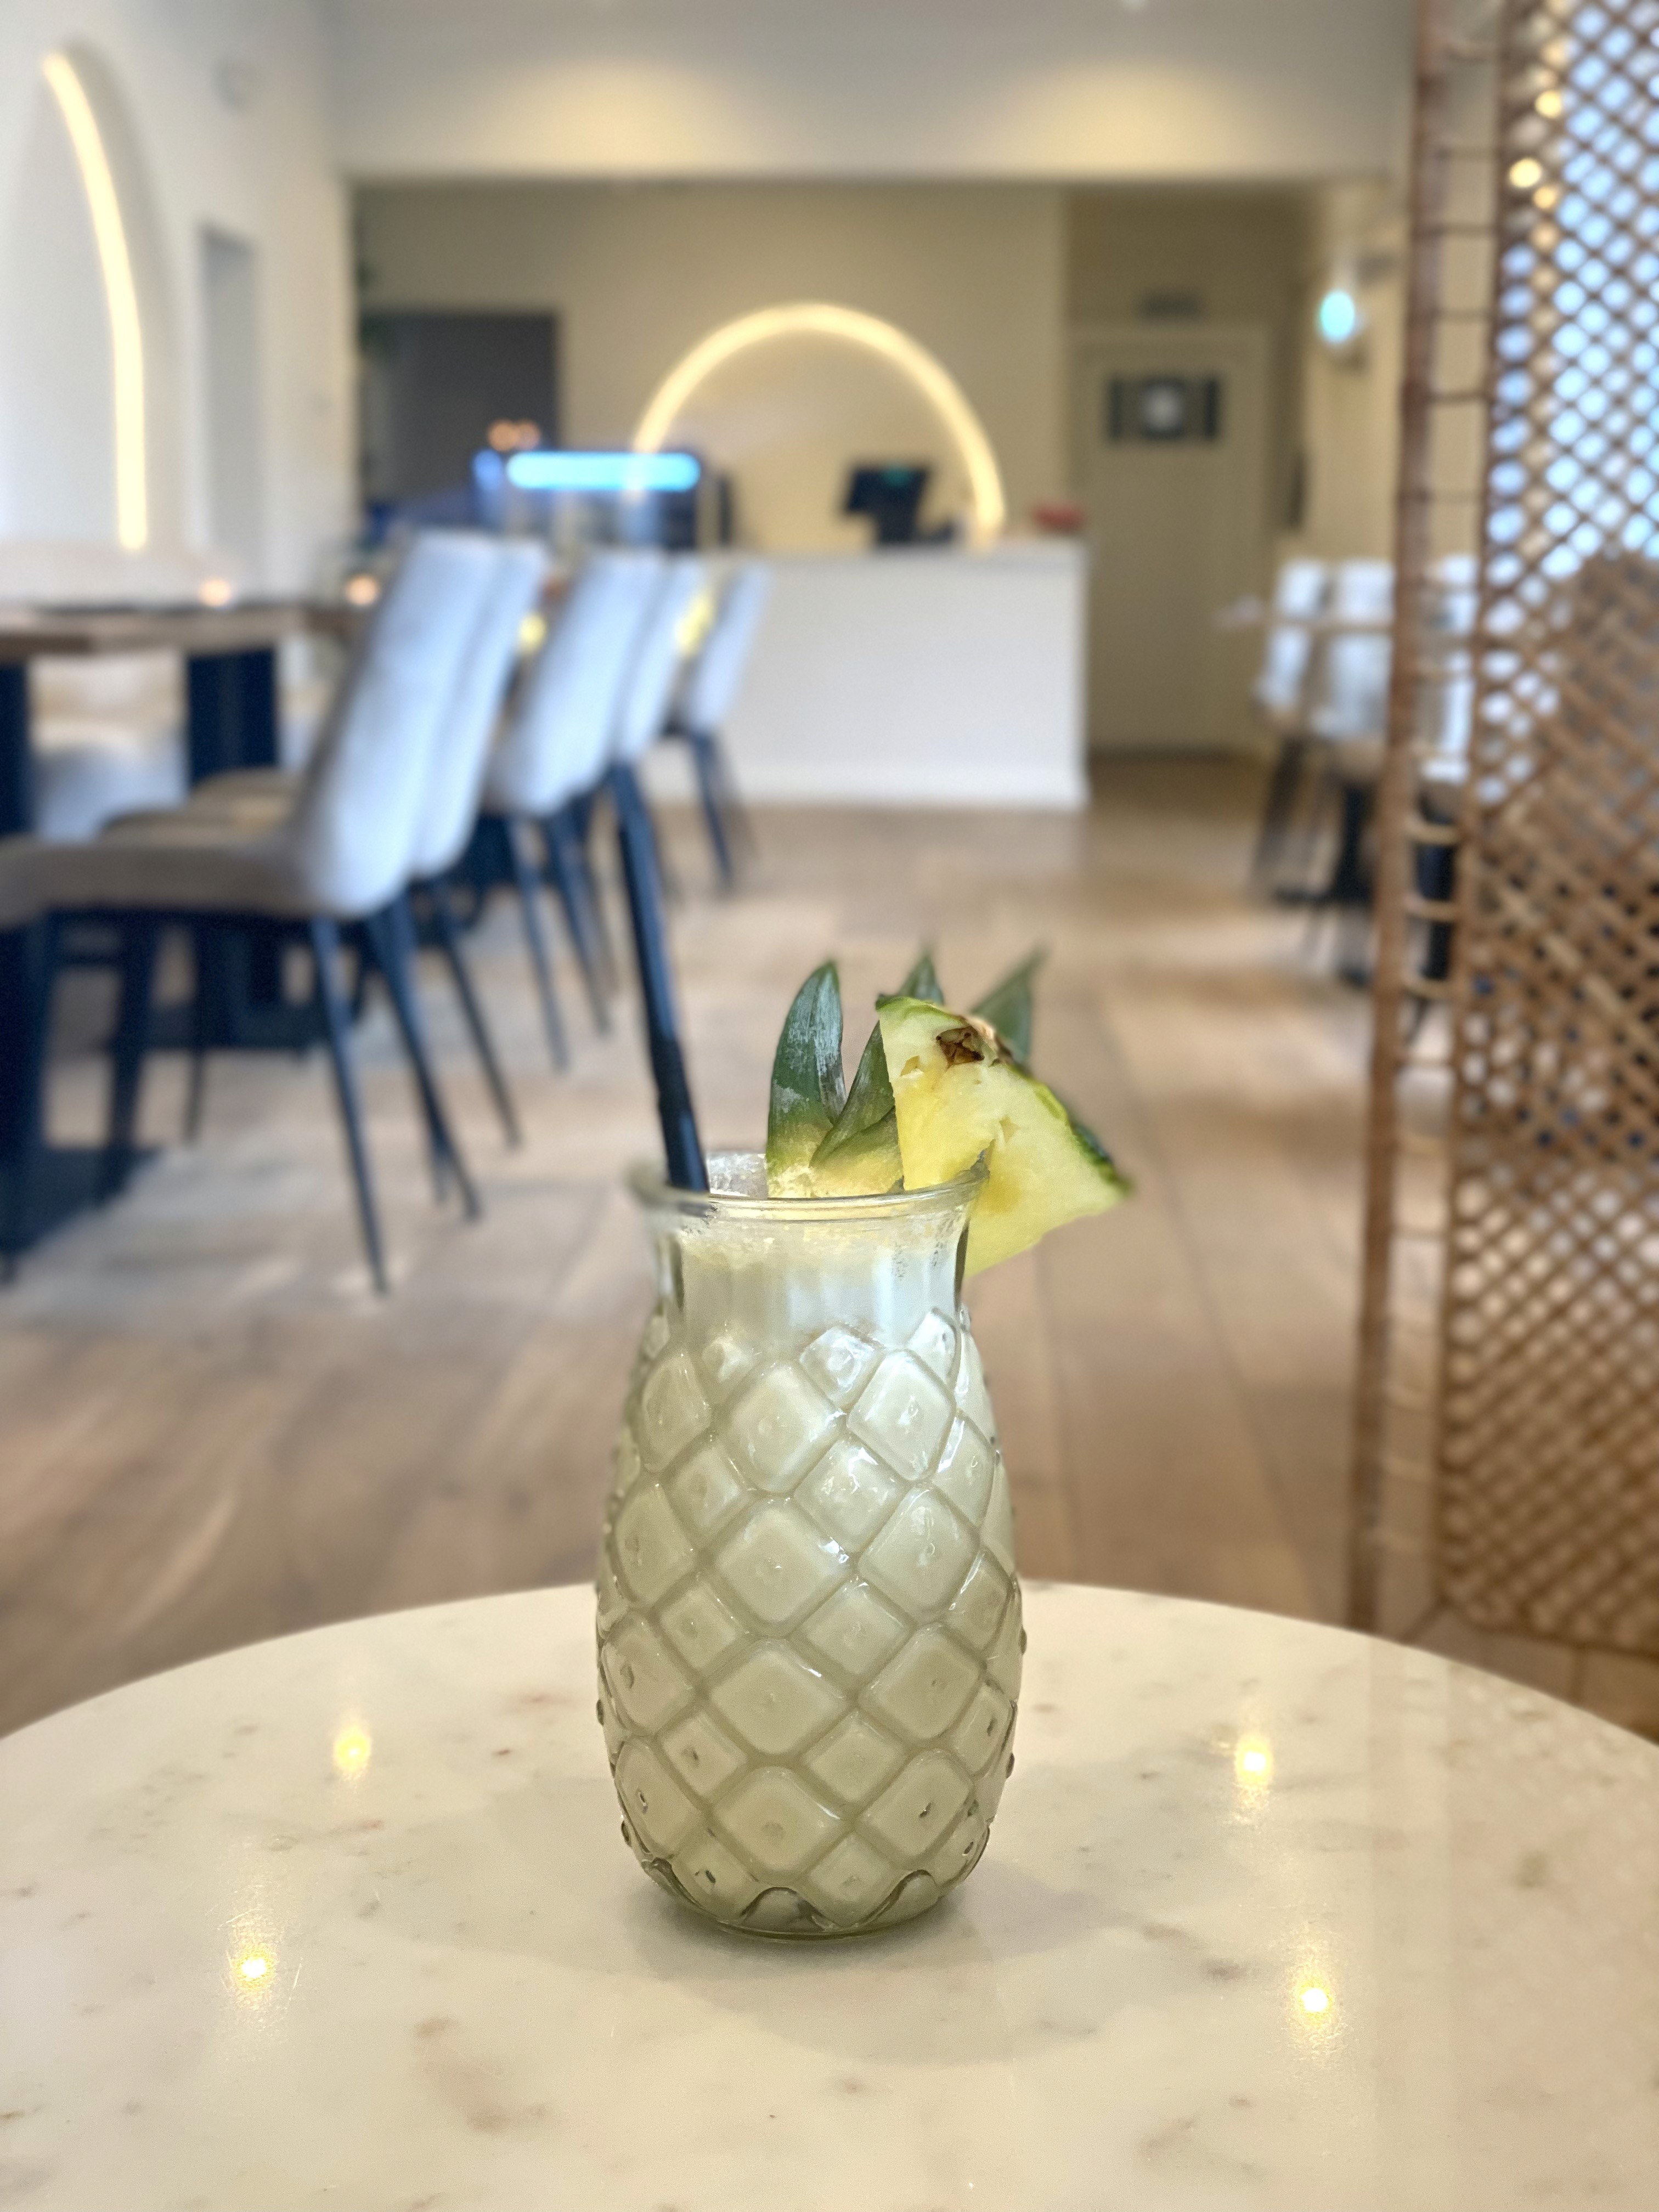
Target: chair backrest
pixel 1352 680
pixel 1287 651
pixel 557 739
pixel 642 710
pixel 352 833
pixel 459 757
pixel 715 677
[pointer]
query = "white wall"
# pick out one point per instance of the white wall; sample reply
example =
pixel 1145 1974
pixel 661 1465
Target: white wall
pixel 1035 88
pixel 263 171
pixel 638 273
pixel 56 423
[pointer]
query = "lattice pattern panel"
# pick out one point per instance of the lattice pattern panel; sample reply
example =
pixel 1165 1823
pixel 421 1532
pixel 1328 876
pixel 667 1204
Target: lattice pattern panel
pixel 1548 1509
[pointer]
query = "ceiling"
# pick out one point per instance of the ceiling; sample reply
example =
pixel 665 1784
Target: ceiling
pixel 1202 89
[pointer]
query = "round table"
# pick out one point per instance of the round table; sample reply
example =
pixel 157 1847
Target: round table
pixel 1272 1916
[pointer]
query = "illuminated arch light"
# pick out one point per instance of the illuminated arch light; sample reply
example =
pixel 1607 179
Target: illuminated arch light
pixel 814 319
pixel 126 336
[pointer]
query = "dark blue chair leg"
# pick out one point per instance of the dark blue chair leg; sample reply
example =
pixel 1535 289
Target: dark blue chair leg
pixel 139 935
pixel 444 928
pixel 686 1168
pixel 17 751
pixel 1278 807
pixel 707 766
pixel 579 820
pixel 1436 880
pixel 207 1017
pixel 335 1020
pixel 36 950
pixel 568 872
pixel 733 812
pixel 392 935
pixel 365 940
pixel 526 878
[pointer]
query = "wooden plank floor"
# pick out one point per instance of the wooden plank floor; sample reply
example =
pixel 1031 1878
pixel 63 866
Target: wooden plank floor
pixel 210 1431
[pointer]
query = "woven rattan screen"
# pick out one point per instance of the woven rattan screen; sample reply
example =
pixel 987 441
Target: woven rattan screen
pixel 1548 1489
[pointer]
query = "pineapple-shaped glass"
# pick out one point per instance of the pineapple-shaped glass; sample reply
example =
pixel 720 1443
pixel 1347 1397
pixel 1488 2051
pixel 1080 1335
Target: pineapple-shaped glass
pixel 809 1621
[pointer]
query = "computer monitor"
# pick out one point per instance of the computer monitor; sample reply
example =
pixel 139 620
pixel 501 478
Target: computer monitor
pixel 890 493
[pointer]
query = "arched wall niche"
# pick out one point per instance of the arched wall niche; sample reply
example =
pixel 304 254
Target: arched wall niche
pixel 63 444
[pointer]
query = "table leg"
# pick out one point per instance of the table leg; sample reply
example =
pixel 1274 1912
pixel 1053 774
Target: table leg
pixel 232 710
pixel 232 724
pixel 41 1184
pixel 15 1011
pixel 16 761
pixel 1350 883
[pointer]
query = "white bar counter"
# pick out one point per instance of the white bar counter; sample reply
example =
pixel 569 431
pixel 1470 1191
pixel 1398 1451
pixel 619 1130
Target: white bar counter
pixel 919 676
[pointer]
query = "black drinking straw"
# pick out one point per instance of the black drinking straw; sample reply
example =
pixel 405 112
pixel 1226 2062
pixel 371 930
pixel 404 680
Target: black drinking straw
pixel 637 839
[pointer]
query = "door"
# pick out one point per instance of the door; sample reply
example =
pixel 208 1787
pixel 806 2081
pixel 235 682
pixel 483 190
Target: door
pixel 235 445
pixel 1169 440
pixel 434 384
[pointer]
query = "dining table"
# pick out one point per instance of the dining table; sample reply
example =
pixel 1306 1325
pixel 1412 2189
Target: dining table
pixel 229 653
pixel 1272 1916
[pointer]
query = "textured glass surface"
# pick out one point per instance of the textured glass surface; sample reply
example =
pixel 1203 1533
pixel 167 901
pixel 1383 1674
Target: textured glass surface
pixel 809 1621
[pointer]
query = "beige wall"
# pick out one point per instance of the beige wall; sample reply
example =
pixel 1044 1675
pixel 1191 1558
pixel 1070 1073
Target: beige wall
pixel 995 279
pixel 1352 399
pixel 1237 257
pixel 1265 258
pixel 638 273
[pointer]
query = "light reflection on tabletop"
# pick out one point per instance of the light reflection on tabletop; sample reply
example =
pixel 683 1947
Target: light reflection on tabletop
pixel 1272 1918
pixel 1252 1764
pixel 353 1748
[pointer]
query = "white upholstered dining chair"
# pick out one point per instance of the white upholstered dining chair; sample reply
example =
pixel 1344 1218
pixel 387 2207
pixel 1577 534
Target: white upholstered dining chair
pixel 342 854
pixel 706 697
pixel 553 754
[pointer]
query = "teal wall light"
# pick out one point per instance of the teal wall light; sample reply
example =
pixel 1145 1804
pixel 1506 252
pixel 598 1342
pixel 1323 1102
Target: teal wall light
pixel 1339 317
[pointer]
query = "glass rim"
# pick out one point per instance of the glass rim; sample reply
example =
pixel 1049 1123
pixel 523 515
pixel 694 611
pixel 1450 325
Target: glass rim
pixel 649 1184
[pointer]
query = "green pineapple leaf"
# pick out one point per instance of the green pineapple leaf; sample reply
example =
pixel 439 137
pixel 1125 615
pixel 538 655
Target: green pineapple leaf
pixel 922 981
pixel 1007 1005
pixel 809 1088
pixel 861 1154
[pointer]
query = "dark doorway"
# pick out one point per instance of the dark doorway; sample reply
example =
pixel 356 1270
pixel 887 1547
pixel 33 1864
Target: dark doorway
pixel 434 382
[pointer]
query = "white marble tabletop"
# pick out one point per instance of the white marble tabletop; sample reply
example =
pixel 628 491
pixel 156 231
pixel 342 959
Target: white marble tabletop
pixel 1272 1916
